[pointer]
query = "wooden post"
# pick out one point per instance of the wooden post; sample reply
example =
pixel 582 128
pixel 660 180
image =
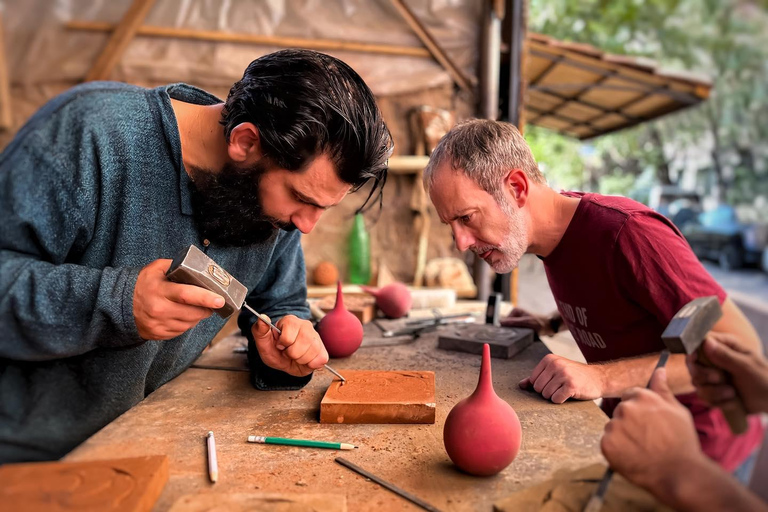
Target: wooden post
pixel 119 40
pixel 434 48
pixel 421 222
pixel 488 108
pixel 6 109
pixel 516 13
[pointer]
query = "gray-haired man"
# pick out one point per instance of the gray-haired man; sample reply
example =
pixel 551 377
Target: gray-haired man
pixel 618 271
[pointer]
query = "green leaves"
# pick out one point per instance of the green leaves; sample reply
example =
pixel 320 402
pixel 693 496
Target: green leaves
pixel 723 39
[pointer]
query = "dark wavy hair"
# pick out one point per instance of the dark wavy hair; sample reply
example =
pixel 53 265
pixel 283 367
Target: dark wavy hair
pixel 305 104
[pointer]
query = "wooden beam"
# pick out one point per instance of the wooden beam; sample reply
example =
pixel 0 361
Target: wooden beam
pixel 407 164
pixel 120 40
pixel 434 48
pixel 6 110
pixel 234 37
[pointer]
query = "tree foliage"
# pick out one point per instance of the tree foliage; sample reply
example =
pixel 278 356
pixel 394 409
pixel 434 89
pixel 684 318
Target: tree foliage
pixel 725 40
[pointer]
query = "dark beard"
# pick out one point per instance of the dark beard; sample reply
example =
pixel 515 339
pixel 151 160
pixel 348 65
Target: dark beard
pixel 227 206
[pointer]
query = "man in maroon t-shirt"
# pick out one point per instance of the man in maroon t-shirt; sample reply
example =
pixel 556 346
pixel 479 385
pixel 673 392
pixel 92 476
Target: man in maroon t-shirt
pixel 618 271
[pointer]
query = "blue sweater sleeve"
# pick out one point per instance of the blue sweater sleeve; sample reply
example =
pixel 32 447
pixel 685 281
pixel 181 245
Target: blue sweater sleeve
pixel 51 308
pixel 282 291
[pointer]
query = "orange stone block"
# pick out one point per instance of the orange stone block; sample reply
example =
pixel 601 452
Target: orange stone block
pixel 118 485
pixel 380 397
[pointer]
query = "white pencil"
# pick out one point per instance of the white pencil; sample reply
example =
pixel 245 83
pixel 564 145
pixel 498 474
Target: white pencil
pixel 213 466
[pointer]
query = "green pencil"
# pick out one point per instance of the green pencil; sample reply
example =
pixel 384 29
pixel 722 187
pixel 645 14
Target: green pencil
pixel 300 442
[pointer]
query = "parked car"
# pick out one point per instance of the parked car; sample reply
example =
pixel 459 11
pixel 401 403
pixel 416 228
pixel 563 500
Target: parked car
pixel 720 236
pixel 764 262
pixel 669 199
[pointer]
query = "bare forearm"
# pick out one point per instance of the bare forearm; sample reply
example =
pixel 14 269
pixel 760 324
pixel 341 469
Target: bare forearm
pixel 620 375
pixel 705 487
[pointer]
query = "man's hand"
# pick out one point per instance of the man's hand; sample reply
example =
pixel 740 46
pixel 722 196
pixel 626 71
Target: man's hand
pixel 558 379
pixel 162 309
pixel 541 324
pixel 738 372
pixel 297 351
pixel 651 439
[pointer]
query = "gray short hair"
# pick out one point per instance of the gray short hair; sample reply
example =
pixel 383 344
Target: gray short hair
pixel 485 151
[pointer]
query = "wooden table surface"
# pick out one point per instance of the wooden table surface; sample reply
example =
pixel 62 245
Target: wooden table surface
pixel 175 419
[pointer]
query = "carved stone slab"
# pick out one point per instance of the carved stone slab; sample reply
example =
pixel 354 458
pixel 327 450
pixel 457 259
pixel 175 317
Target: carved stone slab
pixel 117 485
pixel 380 397
pixel 505 342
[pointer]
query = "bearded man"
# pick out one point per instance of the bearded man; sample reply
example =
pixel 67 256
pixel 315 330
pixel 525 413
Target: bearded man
pixel 618 271
pixel 108 181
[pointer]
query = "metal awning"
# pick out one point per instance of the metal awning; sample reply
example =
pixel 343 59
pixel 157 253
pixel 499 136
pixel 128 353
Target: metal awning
pixel 578 90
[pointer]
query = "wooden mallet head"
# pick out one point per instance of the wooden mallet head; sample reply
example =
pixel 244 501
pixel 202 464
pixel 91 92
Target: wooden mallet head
pixel 685 334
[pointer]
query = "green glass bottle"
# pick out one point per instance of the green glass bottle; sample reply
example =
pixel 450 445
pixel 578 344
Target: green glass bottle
pixel 359 252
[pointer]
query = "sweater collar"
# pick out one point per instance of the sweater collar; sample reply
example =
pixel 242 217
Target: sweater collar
pixel 188 94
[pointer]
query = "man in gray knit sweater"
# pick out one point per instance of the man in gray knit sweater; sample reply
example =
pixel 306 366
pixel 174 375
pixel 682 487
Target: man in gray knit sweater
pixel 108 181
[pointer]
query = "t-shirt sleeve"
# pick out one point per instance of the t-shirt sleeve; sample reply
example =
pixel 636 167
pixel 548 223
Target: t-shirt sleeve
pixel 657 269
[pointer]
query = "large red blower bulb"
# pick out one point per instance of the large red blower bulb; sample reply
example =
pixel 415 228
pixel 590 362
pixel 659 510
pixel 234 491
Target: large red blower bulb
pixel 482 433
pixel 340 330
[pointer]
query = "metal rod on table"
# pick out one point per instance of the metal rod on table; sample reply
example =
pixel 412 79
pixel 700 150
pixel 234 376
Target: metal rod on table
pixel 266 321
pixel 403 494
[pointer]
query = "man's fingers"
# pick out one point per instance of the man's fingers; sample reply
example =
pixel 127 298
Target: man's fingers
pixel 261 329
pixel 517 312
pixel 717 394
pixel 319 360
pixel 542 380
pixel 290 333
pixel 703 376
pixel 725 356
pixel 190 314
pixel 630 394
pixel 299 350
pixel 727 339
pixel 552 386
pixel 193 296
pixel 160 266
pixel 562 394
pixel 525 384
pixel 543 364
pixel 170 329
pixel 660 385
pixel 521 321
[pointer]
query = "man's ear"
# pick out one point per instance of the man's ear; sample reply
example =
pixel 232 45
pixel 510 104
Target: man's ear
pixel 244 144
pixel 517 185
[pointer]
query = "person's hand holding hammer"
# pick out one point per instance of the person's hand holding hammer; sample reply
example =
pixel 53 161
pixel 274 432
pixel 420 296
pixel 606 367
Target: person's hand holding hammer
pixel 734 372
pixel 163 309
pixel 651 441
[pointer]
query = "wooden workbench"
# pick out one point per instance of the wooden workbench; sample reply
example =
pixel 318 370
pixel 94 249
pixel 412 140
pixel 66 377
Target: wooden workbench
pixel 175 419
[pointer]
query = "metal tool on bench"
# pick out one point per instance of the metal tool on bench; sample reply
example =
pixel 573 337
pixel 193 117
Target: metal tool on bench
pixel 193 266
pixel 684 333
pixel 424 325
